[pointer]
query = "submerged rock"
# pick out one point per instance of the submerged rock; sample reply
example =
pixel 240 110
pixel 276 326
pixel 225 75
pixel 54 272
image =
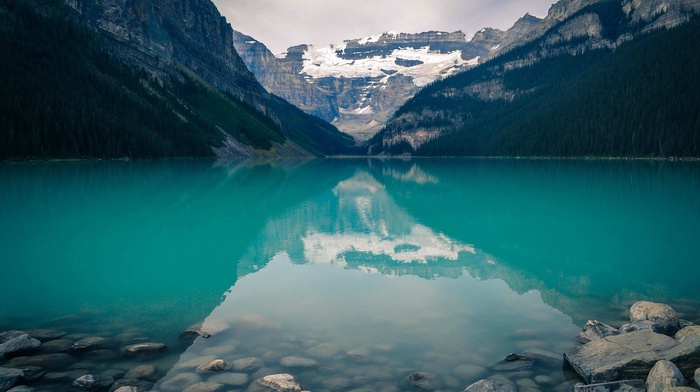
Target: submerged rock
pixel 490 386
pixel 514 362
pixel 205 387
pixel 594 330
pixel 424 380
pixel 46 361
pixel 45 335
pixel 664 375
pixel 193 332
pixel 247 365
pixel 614 386
pixel 143 372
pixel 57 346
pixel 21 388
pixel 9 377
pixel 298 362
pixel 660 314
pixel 139 349
pixel 91 343
pixel 231 379
pixel 216 365
pixel 17 342
pixel 276 383
pixel 133 383
pixel 90 382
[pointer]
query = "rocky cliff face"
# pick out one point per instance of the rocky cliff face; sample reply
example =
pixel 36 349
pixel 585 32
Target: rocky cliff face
pixel 359 84
pixel 571 27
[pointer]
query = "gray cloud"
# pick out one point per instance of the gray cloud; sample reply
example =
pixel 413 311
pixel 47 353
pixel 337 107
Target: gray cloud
pixel 283 23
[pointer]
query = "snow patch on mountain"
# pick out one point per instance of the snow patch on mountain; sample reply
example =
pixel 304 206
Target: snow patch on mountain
pixel 321 62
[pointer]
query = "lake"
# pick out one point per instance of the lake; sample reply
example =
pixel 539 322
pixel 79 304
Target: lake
pixel 350 274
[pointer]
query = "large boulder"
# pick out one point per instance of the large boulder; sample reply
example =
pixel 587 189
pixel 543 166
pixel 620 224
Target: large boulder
pixel 661 314
pixel 490 386
pixel 625 356
pixel 664 375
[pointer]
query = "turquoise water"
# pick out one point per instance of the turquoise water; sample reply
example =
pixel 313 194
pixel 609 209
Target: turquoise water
pixel 374 269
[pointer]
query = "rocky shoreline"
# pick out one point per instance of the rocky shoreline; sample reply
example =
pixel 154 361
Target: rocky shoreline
pixel 655 351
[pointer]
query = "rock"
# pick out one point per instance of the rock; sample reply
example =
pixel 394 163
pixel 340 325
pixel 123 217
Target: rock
pixel 624 356
pixel 336 383
pixel 663 375
pixel 424 380
pixel 17 344
pixel 143 372
pixel 469 372
pixel 696 376
pixel 90 382
pixel 57 346
pixel 91 343
pixel 276 383
pixel 247 365
pixel 298 362
pixel 45 335
pixel 193 332
pixel 22 388
pixel 128 389
pixel 32 373
pixel 620 386
pixel 323 350
pixel 46 361
pixel 680 389
pixel 142 349
pixel 644 325
pixel 180 382
pixel 594 330
pixel 661 314
pixel 686 355
pixel 204 387
pixel 514 362
pixel 216 365
pixel 8 378
pixel 9 335
pixel 490 386
pixel 133 383
pixel 692 330
pixel 100 355
pixel 231 379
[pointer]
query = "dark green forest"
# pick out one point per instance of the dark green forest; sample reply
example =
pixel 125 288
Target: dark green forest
pixel 640 100
pixel 63 97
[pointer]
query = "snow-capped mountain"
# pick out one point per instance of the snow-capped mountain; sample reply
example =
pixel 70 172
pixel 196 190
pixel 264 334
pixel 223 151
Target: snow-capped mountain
pixel 358 84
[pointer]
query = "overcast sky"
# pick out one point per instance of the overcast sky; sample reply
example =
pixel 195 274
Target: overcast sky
pixel 280 24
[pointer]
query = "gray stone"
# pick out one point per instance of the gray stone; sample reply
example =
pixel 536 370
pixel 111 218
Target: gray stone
pixel 131 383
pixel 661 314
pixel 686 355
pixel 63 377
pixel 594 330
pixel 22 388
pixel 91 343
pixel 180 382
pixel 9 335
pixel 57 346
pixel 143 372
pixel 277 383
pixel 298 362
pixel 262 372
pixel 336 383
pixel 231 379
pixel 8 377
pixel 100 355
pixel 46 361
pixel 204 387
pixel 664 375
pixel 614 386
pixel 424 380
pixel 680 389
pixel 644 325
pixel 624 356
pixel 45 335
pixel 193 332
pixel 692 330
pixel 128 389
pixel 142 349
pixel 514 362
pixel 90 382
pixel 32 373
pixel 247 365
pixel 323 350
pixel 217 365
pixel 696 376
pixel 490 386
pixel 18 344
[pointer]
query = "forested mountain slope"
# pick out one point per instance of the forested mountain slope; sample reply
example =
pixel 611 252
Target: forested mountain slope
pixel 78 85
pixel 597 83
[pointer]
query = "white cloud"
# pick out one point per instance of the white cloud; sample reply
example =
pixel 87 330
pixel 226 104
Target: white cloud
pixel 283 23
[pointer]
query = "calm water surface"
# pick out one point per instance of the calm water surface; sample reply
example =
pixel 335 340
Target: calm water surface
pixel 373 269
